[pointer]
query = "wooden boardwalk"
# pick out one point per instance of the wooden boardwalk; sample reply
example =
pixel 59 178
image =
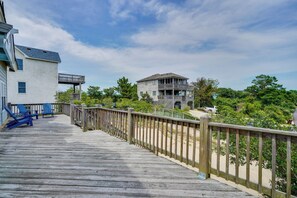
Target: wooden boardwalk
pixel 56 159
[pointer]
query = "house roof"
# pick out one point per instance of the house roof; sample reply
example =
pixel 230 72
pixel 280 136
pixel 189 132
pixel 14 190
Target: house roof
pixel 5 28
pixel 39 54
pixel 162 76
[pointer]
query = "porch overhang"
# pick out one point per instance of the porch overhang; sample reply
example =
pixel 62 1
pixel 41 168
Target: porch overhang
pixel 7 51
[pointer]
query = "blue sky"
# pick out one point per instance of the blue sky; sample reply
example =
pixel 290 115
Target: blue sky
pixel 231 41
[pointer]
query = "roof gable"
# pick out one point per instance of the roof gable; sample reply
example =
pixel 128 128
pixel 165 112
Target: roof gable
pixel 39 54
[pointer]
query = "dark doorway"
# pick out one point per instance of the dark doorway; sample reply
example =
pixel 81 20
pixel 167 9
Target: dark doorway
pixel 177 105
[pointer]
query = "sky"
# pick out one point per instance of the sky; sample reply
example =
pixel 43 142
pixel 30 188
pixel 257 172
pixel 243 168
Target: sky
pixel 231 41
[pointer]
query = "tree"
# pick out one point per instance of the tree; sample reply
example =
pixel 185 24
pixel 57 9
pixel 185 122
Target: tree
pixel 64 96
pixel 94 92
pixel 126 89
pixel 134 95
pixel 138 106
pixel 263 85
pixel 109 92
pixel 230 93
pixel 204 90
pixel 146 97
pixel 107 102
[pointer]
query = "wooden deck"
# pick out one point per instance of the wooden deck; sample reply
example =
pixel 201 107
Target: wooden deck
pixel 54 158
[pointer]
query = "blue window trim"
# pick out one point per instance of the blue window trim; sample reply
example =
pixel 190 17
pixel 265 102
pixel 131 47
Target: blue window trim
pixel 22 87
pixel 20 63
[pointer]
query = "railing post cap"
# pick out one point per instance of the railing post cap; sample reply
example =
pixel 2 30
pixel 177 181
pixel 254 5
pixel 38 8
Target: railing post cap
pixel 204 117
pixel 130 109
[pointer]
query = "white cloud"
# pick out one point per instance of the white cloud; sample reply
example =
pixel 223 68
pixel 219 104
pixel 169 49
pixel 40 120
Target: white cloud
pixel 202 38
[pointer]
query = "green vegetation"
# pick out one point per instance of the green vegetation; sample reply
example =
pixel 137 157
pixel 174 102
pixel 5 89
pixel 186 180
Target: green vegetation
pixel 123 96
pixel 204 90
pixel 263 104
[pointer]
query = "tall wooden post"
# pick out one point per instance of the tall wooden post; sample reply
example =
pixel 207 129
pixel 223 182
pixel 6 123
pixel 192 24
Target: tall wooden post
pixel 84 118
pixel 71 113
pixel 79 91
pixel 130 126
pixel 204 149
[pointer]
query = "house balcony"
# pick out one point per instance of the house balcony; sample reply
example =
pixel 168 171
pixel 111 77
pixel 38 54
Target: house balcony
pixel 173 86
pixel 176 98
pixel 71 79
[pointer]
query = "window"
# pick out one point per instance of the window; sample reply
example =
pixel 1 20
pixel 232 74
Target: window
pixel 154 93
pixel 22 87
pixel 3 99
pixel 20 64
pixel 141 93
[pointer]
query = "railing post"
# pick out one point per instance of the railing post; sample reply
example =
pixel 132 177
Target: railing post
pixel 71 113
pixel 130 126
pixel 204 149
pixel 84 118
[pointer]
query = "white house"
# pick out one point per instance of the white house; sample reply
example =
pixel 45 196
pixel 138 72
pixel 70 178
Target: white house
pixel 7 59
pixel 36 80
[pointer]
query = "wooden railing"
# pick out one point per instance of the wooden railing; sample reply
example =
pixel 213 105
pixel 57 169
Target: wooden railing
pixel 71 79
pixel 76 115
pixel 249 156
pixel 255 151
pixel 38 107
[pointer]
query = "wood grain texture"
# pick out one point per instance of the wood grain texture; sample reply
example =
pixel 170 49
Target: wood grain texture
pixel 56 159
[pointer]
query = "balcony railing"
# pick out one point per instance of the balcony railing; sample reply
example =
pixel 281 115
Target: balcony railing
pixel 58 108
pixel 71 79
pixel 173 86
pixel 170 97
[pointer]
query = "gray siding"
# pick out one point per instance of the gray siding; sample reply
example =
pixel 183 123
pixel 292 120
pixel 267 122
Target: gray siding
pixel 3 92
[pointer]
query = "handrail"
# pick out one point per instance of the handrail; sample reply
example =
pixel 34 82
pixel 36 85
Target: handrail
pixel 214 148
pixel 254 129
pixel 33 107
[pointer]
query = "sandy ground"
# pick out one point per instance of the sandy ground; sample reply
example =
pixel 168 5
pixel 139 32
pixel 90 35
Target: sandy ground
pixel 197 113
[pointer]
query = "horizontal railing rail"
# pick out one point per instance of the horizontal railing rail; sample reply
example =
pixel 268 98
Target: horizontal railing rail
pixel 174 85
pixel 261 159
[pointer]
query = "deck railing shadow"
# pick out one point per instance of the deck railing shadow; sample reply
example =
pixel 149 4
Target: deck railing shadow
pixel 260 159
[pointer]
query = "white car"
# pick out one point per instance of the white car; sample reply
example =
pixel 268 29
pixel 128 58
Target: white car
pixel 211 109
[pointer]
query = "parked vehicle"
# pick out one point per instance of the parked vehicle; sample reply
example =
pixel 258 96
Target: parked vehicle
pixel 211 109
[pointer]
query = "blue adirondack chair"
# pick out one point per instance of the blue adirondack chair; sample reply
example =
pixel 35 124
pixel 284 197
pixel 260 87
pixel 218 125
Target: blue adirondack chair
pixel 47 110
pixel 18 121
pixel 23 111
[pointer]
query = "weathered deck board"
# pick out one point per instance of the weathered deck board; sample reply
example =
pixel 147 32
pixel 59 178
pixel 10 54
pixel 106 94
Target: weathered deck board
pixel 54 158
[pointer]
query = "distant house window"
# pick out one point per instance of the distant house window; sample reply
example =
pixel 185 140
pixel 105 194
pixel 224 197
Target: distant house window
pixel 20 64
pixel 154 93
pixel 141 93
pixel 22 87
